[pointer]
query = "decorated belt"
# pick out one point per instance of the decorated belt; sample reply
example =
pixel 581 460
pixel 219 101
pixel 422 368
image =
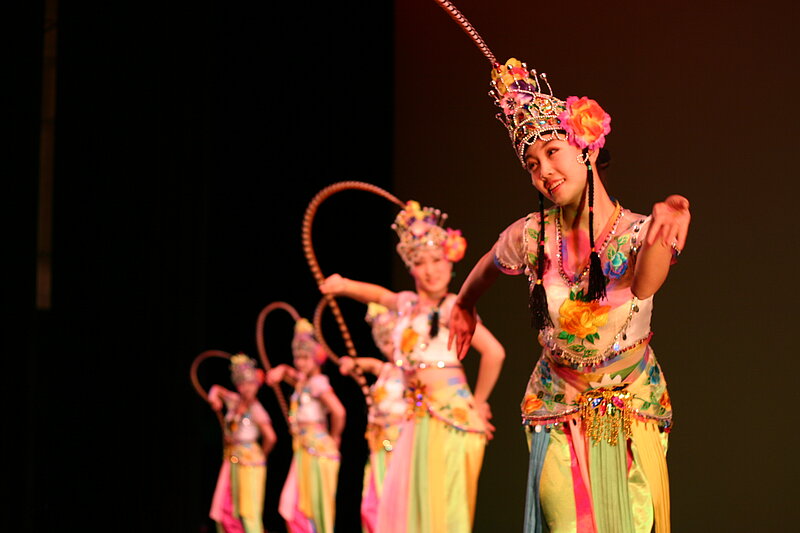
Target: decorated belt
pixel 577 360
pixel 606 413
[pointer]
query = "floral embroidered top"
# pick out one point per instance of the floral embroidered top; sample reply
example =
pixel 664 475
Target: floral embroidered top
pixel 308 417
pixel 242 429
pixel 436 384
pixel 591 345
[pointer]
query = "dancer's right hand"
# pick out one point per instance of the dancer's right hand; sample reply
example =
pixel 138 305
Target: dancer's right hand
pixel 333 284
pixel 463 321
pixel 346 365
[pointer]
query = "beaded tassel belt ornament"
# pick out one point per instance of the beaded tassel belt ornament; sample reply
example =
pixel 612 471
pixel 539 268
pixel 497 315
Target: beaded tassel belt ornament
pixel 604 412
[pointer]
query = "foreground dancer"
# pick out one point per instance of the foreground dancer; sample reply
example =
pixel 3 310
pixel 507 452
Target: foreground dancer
pixel 387 412
pixel 596 408
pixel 432 480
pixel 239 496
pixel 308 499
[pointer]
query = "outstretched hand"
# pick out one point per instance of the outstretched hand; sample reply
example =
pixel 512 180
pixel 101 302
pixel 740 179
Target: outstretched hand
pixel 346 365
pixel 333 285
pixel 670 223
pixel 274 376
pixel 463 322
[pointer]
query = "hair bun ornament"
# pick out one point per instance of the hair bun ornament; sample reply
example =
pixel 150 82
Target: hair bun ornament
pixel 422 228
pixel 305 343
pixel 243 370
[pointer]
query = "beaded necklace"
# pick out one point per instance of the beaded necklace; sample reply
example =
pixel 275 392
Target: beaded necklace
pixel 617 216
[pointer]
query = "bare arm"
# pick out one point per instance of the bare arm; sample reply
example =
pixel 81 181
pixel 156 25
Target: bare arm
pixel 215 396
pixel 337 285
pixel 282 372
pixel 268 437
pixel 463 317
pixel 337 412
pixel 367 364
pixel 492 356
pixel 667 234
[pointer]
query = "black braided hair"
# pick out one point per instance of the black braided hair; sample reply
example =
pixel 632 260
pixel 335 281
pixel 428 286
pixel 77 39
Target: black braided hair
pixel 540 314
pixel 597 281
pixel 433 319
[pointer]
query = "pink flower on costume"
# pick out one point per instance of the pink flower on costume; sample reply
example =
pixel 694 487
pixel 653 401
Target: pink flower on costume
pixel 585 122
pixel 454 246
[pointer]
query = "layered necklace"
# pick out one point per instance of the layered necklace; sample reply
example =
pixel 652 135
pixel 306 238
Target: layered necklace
pixel 616 217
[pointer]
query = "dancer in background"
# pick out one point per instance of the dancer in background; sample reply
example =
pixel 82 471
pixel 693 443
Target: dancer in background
pixel 387 412
pixel 596 408
pixel 432 480
pixel 239 496
pixel 308 499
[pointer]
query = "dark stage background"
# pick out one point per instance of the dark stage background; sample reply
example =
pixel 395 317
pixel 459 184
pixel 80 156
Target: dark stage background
pixel 190 138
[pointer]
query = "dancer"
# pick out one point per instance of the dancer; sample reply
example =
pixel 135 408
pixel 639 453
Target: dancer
pixel 308 499
pixel 387 412
pixel 238 500
pixel 432 480
pixel 596 408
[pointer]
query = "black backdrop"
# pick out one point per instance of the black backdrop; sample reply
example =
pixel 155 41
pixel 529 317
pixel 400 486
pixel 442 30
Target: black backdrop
pixel 191 136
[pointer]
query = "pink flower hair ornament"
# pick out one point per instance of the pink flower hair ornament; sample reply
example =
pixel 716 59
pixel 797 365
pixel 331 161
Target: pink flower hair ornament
pixel 585 122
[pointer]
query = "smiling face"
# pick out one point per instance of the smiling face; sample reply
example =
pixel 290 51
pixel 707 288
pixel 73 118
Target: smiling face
pixel 556 172
pixel 431 271
pixel 248 389
pixel 305 364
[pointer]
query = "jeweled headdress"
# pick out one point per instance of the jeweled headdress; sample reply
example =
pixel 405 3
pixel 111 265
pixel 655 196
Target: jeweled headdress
pixel 528 112
pixel 421 228
pixel 244 369
pixel 382 320
pixel 305 343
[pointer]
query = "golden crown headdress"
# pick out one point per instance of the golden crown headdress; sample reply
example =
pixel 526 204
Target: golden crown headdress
pixel 421 228
pixel 244 369
pixel 305 343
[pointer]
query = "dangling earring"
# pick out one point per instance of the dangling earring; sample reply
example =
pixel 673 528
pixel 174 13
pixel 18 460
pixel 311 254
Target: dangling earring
pixel 583 157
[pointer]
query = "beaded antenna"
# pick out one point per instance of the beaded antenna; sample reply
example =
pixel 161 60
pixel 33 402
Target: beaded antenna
pixel 243 370
pixel 305 343
pixel 421 228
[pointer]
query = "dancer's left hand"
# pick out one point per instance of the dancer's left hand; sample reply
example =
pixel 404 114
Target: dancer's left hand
pixel 670 223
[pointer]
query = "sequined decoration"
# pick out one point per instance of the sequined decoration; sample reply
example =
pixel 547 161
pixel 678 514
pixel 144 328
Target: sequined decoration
pixel 604 412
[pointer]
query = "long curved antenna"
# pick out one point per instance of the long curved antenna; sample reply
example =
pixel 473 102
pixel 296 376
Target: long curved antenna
pixel 311 257
pixel 196 382
pixel 357 371
pixel 262 352
pixel 468 28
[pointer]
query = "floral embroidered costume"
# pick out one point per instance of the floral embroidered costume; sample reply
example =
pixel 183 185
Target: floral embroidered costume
pixel 308 499
pixel 239 495
pixel 596 386
pixel 432 481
